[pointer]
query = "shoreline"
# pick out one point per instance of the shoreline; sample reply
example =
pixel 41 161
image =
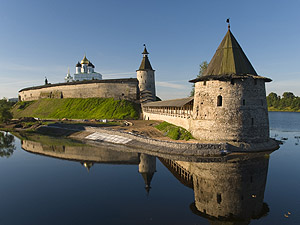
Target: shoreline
pixel 92 134
pixel 281 110
pixel 204 149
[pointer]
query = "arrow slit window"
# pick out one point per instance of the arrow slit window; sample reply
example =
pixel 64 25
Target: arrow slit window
pixel 219 100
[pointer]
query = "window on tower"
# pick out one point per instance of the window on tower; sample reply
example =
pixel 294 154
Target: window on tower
pixel 219 198
pixel 219 100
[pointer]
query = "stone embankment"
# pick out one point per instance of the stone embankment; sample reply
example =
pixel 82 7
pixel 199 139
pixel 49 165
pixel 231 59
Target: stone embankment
pixel 149 145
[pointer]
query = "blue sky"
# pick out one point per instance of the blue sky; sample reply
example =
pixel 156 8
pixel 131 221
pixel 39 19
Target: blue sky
pixel 43 38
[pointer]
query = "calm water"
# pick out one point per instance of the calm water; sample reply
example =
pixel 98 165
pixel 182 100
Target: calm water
pixel 87 185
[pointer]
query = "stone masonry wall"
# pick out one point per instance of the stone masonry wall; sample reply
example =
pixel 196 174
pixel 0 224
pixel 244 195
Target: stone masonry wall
pixel 127 89
pixel 146 81
pixel 241 116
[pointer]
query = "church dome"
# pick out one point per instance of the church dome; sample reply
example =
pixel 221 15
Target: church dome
pixel 90 64
pixel 85 60
pixel 78 64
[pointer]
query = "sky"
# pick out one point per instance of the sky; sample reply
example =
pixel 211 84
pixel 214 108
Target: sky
pixel 43 38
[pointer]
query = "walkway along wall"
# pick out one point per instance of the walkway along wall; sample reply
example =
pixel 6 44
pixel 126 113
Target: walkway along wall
pixel 176 111
pixel 178 121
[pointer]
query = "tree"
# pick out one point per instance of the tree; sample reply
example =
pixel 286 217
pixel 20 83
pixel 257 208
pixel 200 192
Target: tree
pixel 203 66
pixel 288 102
pixel 288 95
pixel 273 99
pixel 7 145
pixel 5 114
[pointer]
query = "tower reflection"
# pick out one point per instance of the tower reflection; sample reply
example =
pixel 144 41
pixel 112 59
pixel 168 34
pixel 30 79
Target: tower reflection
pixel 226 192
pixel 147 168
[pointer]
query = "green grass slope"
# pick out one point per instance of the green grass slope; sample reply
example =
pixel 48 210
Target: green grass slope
pixel 73 108
pixel 174 132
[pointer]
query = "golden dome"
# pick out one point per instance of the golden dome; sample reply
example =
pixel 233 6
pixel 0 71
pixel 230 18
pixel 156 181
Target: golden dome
pixel 85 60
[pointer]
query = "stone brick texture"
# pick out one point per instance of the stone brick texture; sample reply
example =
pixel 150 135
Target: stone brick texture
pixel 242 115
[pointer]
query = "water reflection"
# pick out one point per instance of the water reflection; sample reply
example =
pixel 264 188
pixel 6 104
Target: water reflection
pixel 87 156
pixel 147 168
pixel 229 192
pixel 7 144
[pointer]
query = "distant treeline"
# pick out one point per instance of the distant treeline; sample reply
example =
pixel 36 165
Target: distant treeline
pixel 288 102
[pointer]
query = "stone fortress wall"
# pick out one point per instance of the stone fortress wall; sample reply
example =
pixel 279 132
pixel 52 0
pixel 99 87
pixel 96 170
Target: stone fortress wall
pixel 113 88
pixel 229 103
pixel 230 110
pixel 233 110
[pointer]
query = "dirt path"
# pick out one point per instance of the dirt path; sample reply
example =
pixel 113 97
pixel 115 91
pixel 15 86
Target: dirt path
pixel 142 127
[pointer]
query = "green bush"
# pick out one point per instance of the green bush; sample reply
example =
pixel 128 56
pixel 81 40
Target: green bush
pixel 174 132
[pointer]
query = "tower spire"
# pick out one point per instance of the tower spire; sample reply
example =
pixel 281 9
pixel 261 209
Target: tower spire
pixel 145 65
pixel 145 52
pixel 228 22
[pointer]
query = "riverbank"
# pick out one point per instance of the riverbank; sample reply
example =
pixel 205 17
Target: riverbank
pixel 160 144
pixel 272 109
pixel 142 135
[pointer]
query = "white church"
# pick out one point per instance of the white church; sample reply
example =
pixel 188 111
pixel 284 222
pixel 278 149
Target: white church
pixel 85 70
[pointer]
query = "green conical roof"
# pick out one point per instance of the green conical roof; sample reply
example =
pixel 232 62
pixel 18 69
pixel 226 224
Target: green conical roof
pixel 229 61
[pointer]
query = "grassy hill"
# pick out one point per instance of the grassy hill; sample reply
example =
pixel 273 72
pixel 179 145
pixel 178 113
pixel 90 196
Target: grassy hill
pixel 73 108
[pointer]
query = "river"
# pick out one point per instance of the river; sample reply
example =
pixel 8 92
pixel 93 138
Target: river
pixel 55 181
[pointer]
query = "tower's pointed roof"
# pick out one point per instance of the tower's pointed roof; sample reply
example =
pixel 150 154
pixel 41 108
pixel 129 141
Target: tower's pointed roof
pixel 229 59
pixel 145 51
pixel 145 64
pixel 147 179
pixel 229 62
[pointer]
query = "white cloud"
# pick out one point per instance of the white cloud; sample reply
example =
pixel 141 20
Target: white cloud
pixel 171 85
pixel 118 74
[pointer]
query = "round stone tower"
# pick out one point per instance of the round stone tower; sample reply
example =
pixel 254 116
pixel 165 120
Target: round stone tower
pixel 145 76
pixel 230 98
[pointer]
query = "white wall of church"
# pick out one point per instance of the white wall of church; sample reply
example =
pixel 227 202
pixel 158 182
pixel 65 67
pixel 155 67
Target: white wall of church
pixel 87 76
